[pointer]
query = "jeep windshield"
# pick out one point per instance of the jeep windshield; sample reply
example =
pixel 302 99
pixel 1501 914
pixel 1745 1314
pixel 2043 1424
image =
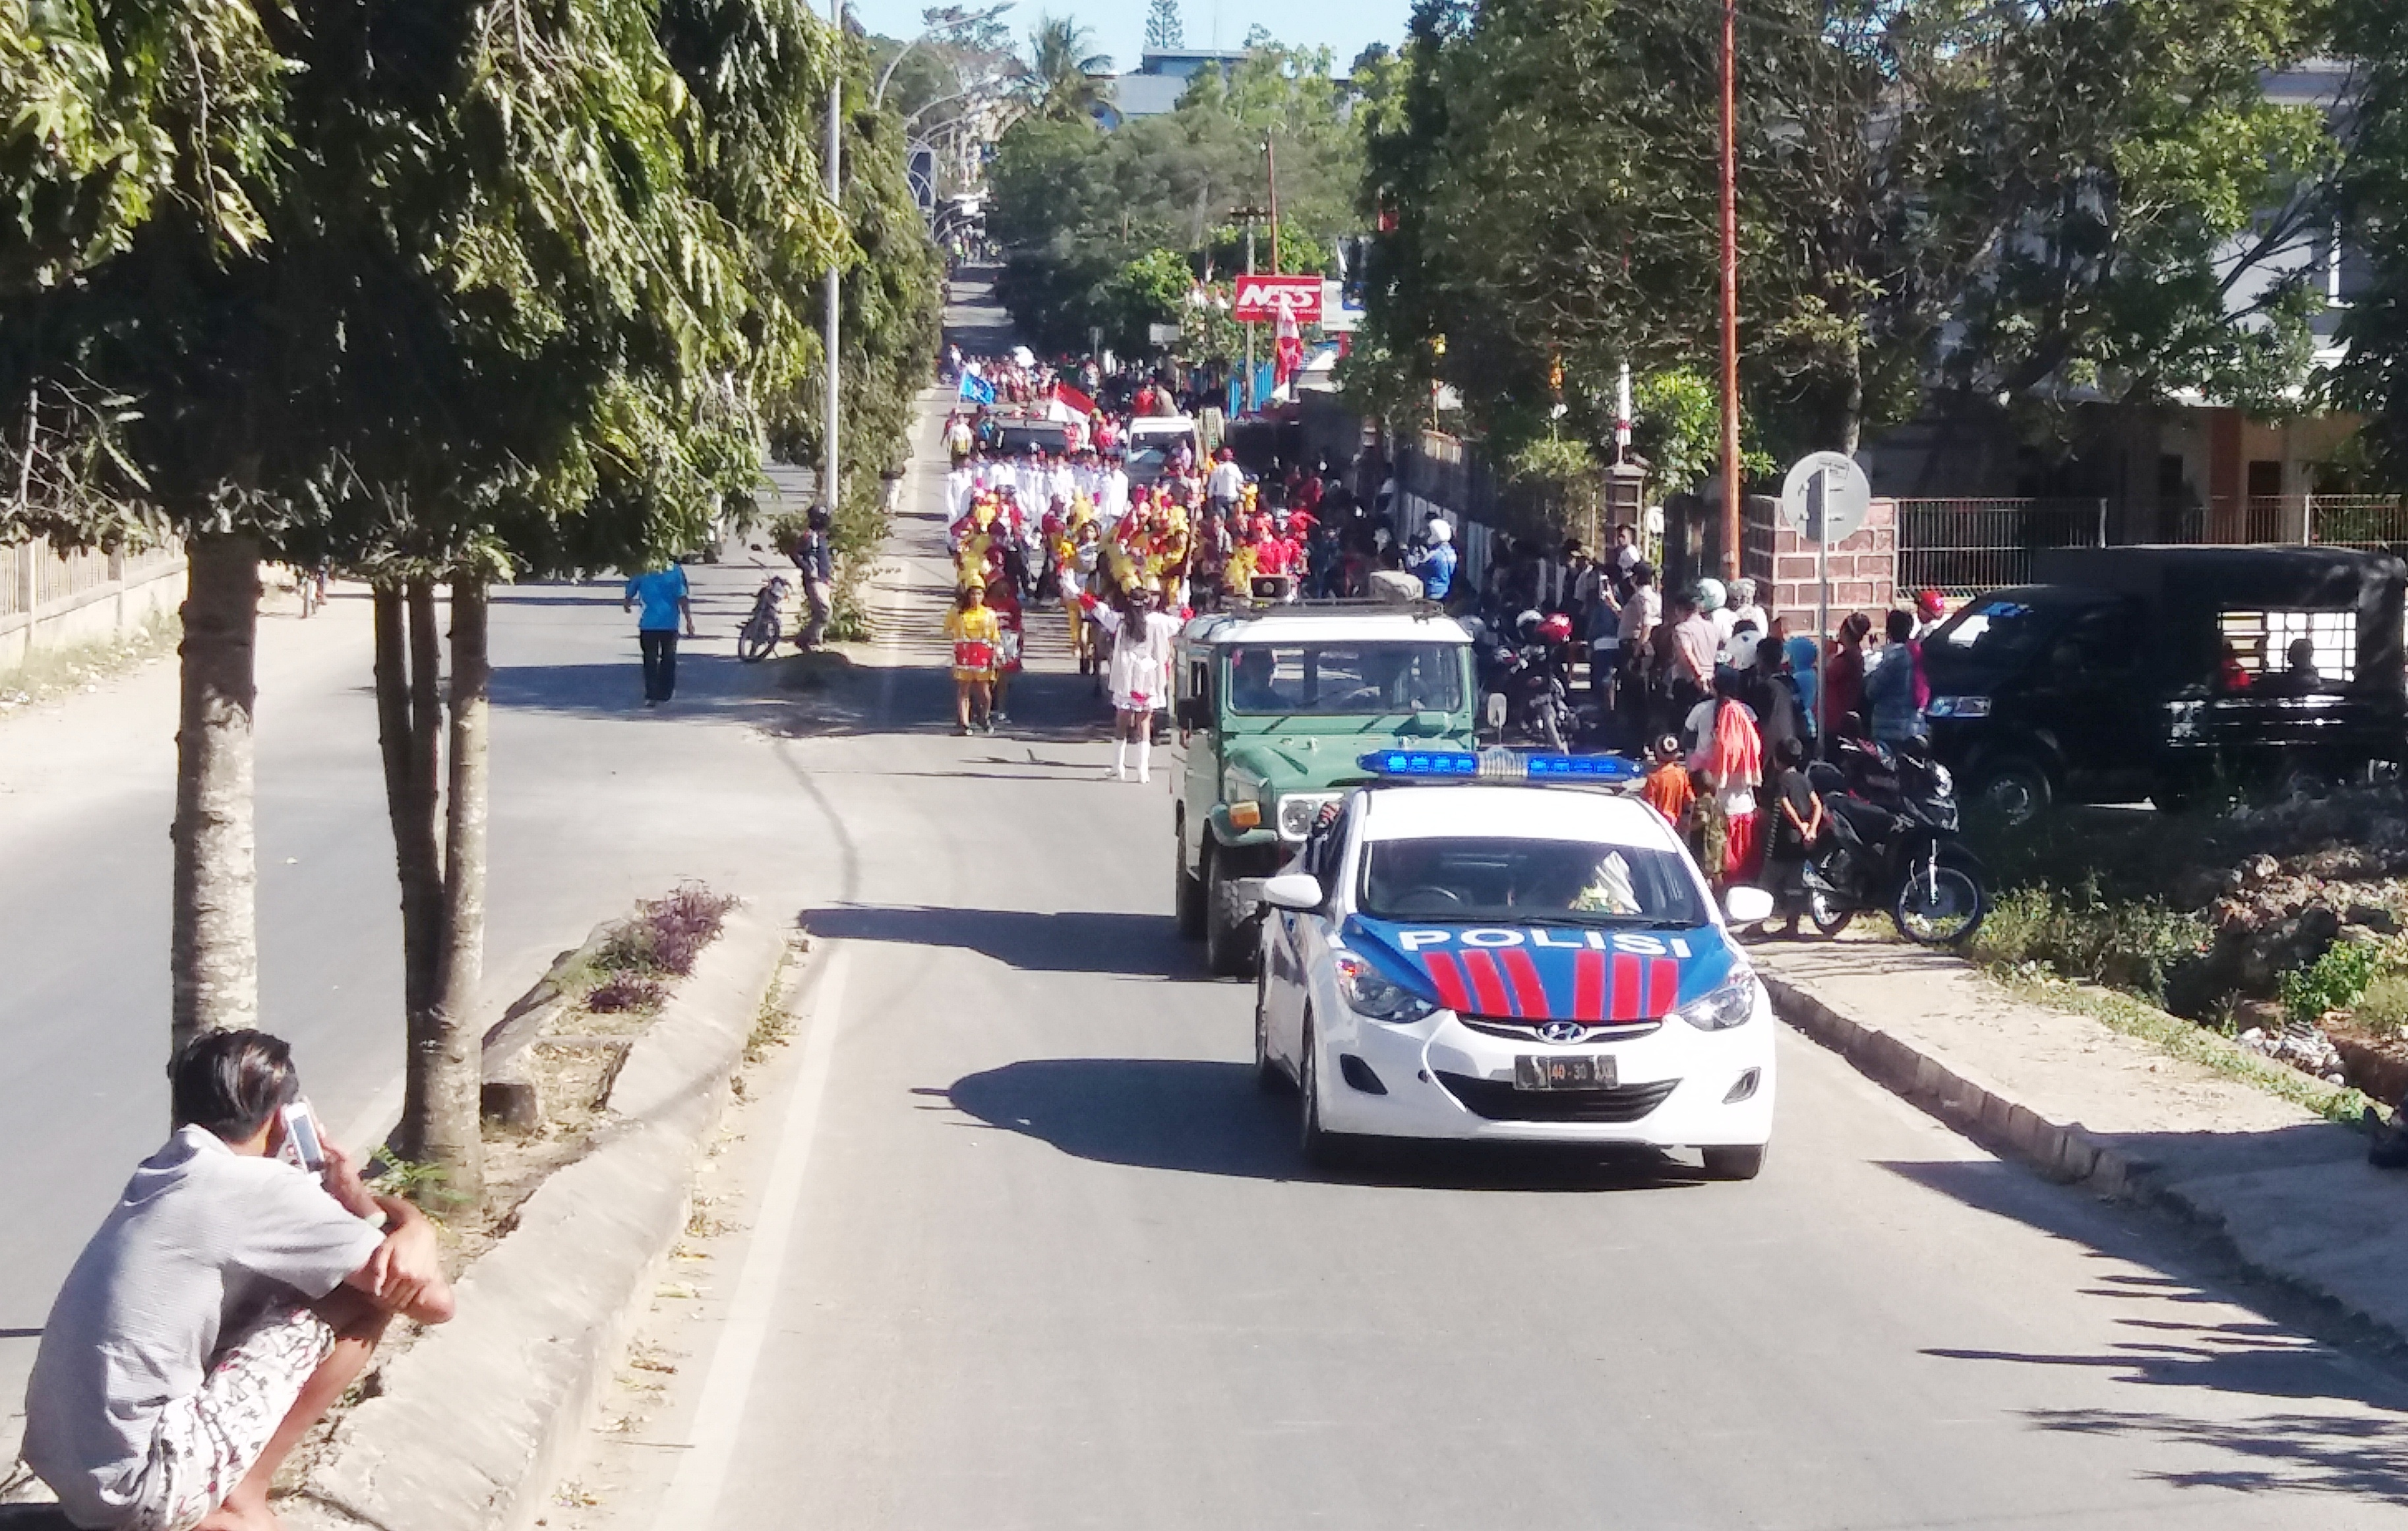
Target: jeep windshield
pixel 1527 882
pixel 1344 679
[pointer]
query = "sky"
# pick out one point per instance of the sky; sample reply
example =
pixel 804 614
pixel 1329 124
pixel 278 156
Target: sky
pixel 1344 26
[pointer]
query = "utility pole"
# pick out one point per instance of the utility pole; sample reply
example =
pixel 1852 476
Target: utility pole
pixel 1270 158
pixel 831 481
pixel 1730 290
pixel 1250 216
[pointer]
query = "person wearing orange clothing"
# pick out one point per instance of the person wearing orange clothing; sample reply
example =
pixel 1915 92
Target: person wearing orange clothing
pixel 976 633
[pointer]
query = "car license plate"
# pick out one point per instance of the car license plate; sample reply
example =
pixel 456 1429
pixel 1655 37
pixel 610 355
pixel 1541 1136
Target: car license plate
pixel 1565 1073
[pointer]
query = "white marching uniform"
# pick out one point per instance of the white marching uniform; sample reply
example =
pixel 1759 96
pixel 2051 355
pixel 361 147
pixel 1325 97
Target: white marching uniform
pixel 1140 674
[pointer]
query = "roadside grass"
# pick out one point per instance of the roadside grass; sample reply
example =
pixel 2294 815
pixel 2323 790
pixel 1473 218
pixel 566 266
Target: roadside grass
pixel 48 674
pixel 2180 1039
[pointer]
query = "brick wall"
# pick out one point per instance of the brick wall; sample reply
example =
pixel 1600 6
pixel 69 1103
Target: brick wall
pixel 1864 571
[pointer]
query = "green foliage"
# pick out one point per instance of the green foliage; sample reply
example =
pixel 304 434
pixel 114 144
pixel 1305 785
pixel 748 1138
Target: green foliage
pixel 106 111
pixel 2180 1039
pixel 2384 1008
pixel 2373 377
pixel 2134 945
pixel 2081 199
pixel 2334 981
pixel 1073 208
pixel 1677 426
pixel 1065 82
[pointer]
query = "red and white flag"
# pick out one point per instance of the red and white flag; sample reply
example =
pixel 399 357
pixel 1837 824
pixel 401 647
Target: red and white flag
pixel 1287 350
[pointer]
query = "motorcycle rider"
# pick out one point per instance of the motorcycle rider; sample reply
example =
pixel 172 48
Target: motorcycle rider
pixel 815 560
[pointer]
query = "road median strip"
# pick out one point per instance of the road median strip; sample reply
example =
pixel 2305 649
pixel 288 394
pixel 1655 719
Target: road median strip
pixel 468 1429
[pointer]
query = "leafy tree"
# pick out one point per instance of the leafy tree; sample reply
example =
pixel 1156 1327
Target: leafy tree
pixel 2056 201
pixel 946 81
pixel 1072 207
pixel 1164 31
pixel 2373 375
pixel 1064 82
pixel 2164 211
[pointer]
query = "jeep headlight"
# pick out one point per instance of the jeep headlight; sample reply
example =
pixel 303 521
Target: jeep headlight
pixel 1371 994
pixel 1299 809
pixel 1728 1006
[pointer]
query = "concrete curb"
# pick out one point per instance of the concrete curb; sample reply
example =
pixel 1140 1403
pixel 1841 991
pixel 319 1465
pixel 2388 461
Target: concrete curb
pixel 2071 1154
pixel 469 1428
pixel 2063 1151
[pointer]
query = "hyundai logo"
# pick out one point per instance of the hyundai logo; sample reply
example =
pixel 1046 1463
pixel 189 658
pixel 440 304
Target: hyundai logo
pixel 1562 1031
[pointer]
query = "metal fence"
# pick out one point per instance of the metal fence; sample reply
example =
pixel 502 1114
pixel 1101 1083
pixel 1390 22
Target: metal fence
pixel 2357 521
pixel 1961 547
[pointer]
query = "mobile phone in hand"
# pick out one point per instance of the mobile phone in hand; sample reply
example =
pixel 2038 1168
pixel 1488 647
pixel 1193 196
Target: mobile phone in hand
pixel 303 1149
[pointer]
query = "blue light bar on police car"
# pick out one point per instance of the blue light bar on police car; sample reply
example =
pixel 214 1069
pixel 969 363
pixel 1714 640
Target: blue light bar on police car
pixel 1496 766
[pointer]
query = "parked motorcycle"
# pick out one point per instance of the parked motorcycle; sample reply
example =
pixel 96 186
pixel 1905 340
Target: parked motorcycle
pixel 1892 845
pixel 1523 680
pixel 757 640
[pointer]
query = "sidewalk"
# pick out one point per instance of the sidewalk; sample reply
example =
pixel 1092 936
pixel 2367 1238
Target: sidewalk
pixel 2291 1191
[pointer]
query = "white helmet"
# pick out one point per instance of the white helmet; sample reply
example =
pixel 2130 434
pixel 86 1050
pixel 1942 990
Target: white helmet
pixel 1441 532
pixel 1709 594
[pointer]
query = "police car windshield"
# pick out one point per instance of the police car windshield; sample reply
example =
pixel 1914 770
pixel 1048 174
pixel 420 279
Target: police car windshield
pixel 1511 882
pixel 1364 679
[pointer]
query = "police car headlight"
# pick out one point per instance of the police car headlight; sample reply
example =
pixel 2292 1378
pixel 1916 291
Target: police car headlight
pixel 1297 810
pixel 1370 994
pixel 1729 1006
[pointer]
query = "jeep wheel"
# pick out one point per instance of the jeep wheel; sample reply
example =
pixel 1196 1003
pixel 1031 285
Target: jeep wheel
pixel 1186 888
pixel 1232 925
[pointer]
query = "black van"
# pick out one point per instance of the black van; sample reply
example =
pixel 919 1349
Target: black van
pixel 2150 671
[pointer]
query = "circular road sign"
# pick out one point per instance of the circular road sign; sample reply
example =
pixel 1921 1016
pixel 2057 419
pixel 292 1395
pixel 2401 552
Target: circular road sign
pixel 1825 496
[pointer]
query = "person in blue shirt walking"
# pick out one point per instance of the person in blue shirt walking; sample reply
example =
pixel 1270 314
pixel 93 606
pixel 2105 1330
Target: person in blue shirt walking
pixel 1435 563
pixel 661 593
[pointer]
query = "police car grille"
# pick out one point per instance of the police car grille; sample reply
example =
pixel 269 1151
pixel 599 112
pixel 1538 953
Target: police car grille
pixel 1527 1031
pixel 1496 1100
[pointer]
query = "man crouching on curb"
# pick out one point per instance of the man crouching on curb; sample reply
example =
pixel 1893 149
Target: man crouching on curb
pixel 224 1307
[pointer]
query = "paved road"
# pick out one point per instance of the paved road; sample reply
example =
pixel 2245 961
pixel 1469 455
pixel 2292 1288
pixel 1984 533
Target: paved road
pixel 596 803
pixel 1013 1242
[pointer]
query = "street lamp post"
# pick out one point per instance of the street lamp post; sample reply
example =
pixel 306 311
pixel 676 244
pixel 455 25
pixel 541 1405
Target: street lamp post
pixel 1730 291
pixel 831 483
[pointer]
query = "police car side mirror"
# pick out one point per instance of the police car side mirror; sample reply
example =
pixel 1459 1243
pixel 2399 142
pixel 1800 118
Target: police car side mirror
pixel 1496 709
pixel 1293 890
pixel 1746 906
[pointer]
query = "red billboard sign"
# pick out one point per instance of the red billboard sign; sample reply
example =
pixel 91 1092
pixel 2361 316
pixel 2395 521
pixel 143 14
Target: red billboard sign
pixel 1261 298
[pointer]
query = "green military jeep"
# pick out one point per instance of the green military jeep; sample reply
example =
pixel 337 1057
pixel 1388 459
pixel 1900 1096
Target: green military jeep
pixel 1278 704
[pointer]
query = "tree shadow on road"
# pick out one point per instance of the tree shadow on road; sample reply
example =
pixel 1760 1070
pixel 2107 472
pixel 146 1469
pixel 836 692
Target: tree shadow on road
pixel 2351 1457
pixel 1205 1118
pixel 1074 941
pixel 2303 1352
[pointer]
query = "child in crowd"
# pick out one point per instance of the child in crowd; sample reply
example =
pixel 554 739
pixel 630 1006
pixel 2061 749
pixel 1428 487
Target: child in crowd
pixel 1668 789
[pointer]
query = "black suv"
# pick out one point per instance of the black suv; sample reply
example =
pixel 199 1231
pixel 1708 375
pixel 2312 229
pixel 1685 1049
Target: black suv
pixel 2152 671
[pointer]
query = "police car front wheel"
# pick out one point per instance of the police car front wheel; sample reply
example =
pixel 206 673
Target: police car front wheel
pixel 1735 1162
pixel 1323 1149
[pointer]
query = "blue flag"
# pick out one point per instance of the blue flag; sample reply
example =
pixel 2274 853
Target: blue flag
pixel 975 389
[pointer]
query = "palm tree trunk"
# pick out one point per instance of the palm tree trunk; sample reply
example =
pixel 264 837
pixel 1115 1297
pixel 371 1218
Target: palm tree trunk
pixel 453 1058
pixel 213 947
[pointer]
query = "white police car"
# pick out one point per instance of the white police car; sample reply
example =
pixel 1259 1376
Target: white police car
pixel 1461 957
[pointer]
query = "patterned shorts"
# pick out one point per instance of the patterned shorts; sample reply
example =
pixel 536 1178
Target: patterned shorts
pixel 207 1444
